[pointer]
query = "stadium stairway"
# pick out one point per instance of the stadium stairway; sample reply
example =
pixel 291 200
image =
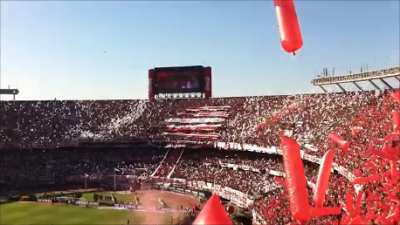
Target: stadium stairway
pixel 176 164
pixel 161 163
pixel 168 164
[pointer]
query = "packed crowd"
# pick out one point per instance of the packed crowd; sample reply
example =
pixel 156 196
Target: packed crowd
pixel 63 123
pixel 362 118
pixel 40 167
pixel 36 167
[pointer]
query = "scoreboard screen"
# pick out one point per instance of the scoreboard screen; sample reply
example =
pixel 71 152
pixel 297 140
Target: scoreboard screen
pixel 180 82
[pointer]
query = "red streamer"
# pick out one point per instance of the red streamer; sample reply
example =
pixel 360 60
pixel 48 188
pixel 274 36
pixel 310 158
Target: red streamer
pixel 395 216
pixel 356 130
pixel 390 137
pixel 385 175
pixel 349 202
pixel 383 154
pixel 361 180
pixel 394 173
pixel 295 179
pixel 324 174
pixel 357 220
pixel 345 219
pixel 358 202
pixel 394 199
pixel 261 125
pixel 391 151
pixel 344 145
pixel 280 181
pixel 323 211
pixel 396 120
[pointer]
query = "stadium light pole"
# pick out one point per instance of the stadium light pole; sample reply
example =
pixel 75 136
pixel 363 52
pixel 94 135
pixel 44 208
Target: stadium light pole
pixel 54 182
pixel 115 178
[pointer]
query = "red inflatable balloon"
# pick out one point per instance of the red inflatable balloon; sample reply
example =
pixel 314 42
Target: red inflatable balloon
pixel 384 154
pixel 213 213
pixel 358 202
pixel 391 136
pixel 323 211
pixel 295 179
pixel 395 199
pixel 393 170
pixel 396 120
pixel 324 174
pixel 349 202
pixel 344 145
pixel 261 125
pixel 391 151
pixel 396 96
pixel 280 181
pixel 288 24
pixel 357 220
pixel 393 217
pixel 356 130
pixel 361 180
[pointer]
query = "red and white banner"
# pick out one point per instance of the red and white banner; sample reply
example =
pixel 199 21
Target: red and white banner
pixel 196 135
pixel 207 119
pixel 209 108
pixel 204 114
pixel 195 120
pixel 198 127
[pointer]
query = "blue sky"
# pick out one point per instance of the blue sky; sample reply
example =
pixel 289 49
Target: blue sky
pixel 56 49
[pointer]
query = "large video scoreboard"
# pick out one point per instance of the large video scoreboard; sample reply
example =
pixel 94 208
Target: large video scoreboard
pixel 180 82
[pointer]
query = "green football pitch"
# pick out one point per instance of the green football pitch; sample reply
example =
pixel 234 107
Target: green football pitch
pixel 32 213
pixel 41 213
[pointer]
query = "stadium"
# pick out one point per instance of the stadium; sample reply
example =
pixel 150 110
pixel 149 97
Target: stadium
pixel 158 161
pixel 232 140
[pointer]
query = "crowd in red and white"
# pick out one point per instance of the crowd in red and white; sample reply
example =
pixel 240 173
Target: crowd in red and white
pixel 41 138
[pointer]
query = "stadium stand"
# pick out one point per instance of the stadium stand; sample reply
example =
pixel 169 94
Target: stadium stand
pixel 42 141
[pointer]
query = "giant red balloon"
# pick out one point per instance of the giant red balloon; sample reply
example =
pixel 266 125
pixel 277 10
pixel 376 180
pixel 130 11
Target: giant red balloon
pixel 324 174
pixel 288 25
pixel 295 179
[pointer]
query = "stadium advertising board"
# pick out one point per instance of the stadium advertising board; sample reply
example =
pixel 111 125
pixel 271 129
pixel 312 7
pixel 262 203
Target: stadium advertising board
pixel 180 82
pixel 45 200
pixel 88 203
pixel 70 201
pixel 181 190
